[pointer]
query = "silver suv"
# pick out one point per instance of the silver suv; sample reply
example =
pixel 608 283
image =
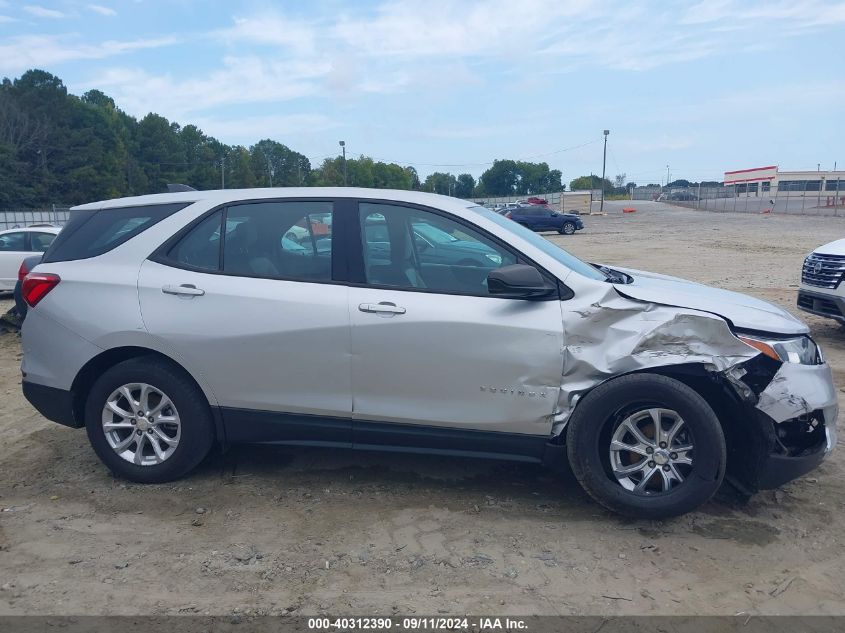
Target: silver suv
pixel 164 324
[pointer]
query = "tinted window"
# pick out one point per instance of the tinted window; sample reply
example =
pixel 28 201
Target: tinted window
pixel 92 233
pixel 279 240
pixel 200 248
pixel 414 249
pixel 13 242
pixel 562 256
pixel 41 241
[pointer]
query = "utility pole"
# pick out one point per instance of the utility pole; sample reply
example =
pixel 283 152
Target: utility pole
pixel 667 176
pixel 222 172
pixel 603 166
pixel 343 147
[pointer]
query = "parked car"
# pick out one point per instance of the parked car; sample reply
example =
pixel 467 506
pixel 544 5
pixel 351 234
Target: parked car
pixel 821 291
pixel 536 200
pixel 16 245
pixel 540 218
pixel 685 196
pixel 162 339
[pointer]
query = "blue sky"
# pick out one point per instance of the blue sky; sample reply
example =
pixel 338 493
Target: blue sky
pixel 451 85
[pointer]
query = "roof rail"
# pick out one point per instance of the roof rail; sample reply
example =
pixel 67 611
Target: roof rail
pixel 176 188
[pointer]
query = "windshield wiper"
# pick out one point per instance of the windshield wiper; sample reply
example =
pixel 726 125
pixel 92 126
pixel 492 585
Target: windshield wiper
pixel 614 276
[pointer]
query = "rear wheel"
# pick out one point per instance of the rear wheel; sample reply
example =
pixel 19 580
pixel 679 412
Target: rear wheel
pixel 646 446
pixel 568 228
pixel 147 421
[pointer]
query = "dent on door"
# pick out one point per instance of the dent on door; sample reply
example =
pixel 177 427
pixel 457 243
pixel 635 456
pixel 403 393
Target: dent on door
pixel 472 363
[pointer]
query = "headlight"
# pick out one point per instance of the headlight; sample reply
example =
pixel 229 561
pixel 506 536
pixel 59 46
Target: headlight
pixel 800 350
pixel 494 257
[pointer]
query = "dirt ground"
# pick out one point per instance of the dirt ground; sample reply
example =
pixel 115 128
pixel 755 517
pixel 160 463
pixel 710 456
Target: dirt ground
pixel 264 530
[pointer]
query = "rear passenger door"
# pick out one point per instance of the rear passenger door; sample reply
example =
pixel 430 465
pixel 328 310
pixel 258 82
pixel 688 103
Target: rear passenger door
pixel 248 295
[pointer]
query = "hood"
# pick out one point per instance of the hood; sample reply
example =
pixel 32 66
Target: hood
pixel 741 310
pixel 832 248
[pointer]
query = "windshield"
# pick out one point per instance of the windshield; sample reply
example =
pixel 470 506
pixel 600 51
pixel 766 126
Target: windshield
pixel 568 260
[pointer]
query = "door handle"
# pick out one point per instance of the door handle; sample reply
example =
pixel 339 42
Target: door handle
pixel 385 307
pixel 185 290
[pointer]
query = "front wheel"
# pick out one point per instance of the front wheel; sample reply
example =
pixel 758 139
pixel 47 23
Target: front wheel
pixel 647 446
pixel 568 228
pixel 147 421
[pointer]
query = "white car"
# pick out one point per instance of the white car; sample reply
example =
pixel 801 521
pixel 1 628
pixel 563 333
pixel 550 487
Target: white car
pixel 822 292
pixel 18 244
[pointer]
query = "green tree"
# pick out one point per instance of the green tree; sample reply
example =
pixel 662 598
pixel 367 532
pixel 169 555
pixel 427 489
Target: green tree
pixel 160 152
pixel 586 183
pixel 272 161
pixel 440 182
pixel 465 186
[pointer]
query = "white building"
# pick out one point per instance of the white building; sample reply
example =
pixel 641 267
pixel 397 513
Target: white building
pixel 772 182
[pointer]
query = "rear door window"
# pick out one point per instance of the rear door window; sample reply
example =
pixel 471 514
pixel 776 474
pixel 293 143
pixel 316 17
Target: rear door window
pixel 41 241
pixel 13 241
pixel 200 248
pixel 279 240
pixel 91 233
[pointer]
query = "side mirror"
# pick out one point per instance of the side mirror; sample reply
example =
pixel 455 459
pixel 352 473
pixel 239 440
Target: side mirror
pixel 518 281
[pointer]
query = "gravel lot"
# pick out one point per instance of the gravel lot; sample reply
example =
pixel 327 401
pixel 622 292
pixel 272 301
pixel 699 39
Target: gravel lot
pixel 264 530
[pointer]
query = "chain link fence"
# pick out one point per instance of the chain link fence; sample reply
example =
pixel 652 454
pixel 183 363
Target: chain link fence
pixel 19 218
pixel 571 201
pixel 792 197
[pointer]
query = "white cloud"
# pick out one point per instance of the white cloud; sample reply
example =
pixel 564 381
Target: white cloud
pixel 270 28
pixel 37 51
pixel 98 8
pixel 428 49
pixel 5 19
pixel 257 127
pixel 249 79
pixel 43 12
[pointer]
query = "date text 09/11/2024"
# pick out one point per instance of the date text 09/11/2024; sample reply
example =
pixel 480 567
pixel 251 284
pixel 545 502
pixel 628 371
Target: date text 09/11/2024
pixel 416 624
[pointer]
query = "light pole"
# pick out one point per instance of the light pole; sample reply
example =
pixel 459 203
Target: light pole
pixel 343 147
pixel 667 176
pixel 603 165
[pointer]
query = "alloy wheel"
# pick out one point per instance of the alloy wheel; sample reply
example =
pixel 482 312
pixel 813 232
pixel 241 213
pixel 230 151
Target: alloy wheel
pixel 141 424
pixel 651 451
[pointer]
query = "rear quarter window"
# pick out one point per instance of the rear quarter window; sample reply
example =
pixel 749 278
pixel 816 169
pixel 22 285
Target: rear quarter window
pixel 92 233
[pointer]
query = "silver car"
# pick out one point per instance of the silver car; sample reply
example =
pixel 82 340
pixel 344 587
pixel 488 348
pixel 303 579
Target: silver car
pixel 165 324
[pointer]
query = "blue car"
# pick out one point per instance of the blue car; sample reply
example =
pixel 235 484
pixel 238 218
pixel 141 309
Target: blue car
pixel 540 218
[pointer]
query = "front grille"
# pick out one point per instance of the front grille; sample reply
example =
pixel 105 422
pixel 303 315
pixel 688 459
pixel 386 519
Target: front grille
pixel 818 305
pixel 823 271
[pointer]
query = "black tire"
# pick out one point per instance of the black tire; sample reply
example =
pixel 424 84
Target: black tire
pixel 568 228
pixel 603 409
pixel 197 426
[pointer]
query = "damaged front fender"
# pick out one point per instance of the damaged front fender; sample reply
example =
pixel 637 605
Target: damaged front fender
pixel 608 335
pixel 779 418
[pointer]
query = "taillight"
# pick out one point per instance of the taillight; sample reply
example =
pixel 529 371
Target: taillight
pixel 508 215
pixel 22 271
pixel 36 286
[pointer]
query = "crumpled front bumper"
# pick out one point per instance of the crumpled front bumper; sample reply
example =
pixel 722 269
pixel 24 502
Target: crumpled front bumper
pixel 798 390
pixel 791 422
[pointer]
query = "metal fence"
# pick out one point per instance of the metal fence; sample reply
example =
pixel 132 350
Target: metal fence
pixel 18 218
pixel 735 198
pixel 563 200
